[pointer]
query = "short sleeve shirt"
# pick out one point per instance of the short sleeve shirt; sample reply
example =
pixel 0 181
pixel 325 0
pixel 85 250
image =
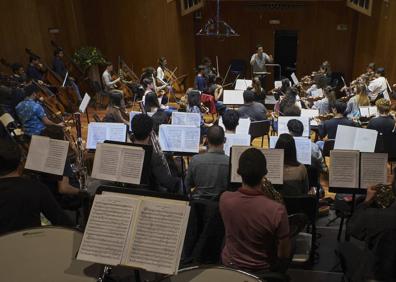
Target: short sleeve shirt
pixel 31 113
pixel 253 225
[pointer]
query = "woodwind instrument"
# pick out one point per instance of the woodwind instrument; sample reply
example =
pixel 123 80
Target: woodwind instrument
pixel 80 158
pixel 155 142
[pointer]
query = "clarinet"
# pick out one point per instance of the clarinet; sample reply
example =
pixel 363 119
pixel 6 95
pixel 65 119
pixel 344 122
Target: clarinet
pixel 156 145
pixel 81 167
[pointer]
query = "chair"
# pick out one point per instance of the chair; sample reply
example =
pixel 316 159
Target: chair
pixel 260 129
pixel 237 67
pixel 327 147
pixel 100 94
pixel 389 141
pixel 307 205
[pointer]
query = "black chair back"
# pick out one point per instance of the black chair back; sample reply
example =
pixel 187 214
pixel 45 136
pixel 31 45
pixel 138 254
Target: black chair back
pixel 260 129
pixel 389 141
pixel 328 146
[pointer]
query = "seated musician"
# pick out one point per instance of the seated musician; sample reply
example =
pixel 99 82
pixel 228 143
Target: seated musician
pixel 290 99
pixel 23 200
pixel 378 88
pixel 256 225
pixel 109 84
pixel 213 95
pixel 18 73
pixel 113 111
pixel 194 106
pixel 360 99
pixel 251 109
pixel 230 121
pixel 329 127
pixel 200 81
pixel 324 105
pixel 295 177
pixel 161 179
pixel 208 173
pixel 281 92
pixel 385 122
pixel 150 99
pixel 35 69
pixel 373 222
pixel 31 114
pixel 209 69
pixel 258 91
pixel 59 67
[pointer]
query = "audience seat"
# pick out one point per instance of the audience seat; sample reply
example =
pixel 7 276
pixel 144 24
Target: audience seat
pixel 260 129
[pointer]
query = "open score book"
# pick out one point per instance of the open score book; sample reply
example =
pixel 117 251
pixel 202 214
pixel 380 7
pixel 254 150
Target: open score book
pixel 136 231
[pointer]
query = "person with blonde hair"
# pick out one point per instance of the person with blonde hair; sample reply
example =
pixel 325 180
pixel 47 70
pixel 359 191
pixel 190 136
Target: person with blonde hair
pixel 385 122
pixel 360 99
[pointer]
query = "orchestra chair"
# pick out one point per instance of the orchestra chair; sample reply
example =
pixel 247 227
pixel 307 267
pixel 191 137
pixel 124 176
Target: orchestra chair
pixel 389 141
pixel 307 205
pixel 238 67
pixel 100 93
pixel 260 129
pixel 343 210
pixel 327 147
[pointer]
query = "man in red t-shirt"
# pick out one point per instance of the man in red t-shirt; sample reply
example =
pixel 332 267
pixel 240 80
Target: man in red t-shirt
pixel 256 227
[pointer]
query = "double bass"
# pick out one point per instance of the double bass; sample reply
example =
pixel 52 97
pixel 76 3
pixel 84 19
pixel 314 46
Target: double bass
pixel 128 95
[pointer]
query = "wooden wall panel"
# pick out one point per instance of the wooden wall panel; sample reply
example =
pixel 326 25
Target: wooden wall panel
pixel 140 32
pixel 26 23
pixel 316 23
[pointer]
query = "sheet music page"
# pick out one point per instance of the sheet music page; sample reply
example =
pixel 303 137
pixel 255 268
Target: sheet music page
pixel 242 84
pixel 98 132
pixel 107 229
pixel 235 140
pixel 373 169
pixel 190 119
pixel 277 84
pixel 158 236
pixel 282 124
pixel 233 97
pixel 131 115
pixel 178 138
pixel 373 111
pixel 364 111
pixel 344 169
pixel 47 155
pixel 310 113
pixel 345 137
pixel 116 131
pixel 274 159
pixel 317 93
pixel 365 140
pixel 294 78
pixel 131 164
pixel 84 103
pixel 303 148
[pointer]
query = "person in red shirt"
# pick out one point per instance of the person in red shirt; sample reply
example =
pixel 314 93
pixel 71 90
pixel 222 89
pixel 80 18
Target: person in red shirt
pixel 256 227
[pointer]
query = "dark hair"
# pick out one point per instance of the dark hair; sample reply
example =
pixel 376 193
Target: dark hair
pixel 146 82
pixel 200 68
pixel 287 143
pixel 339 106
pixel 57 51
pixel 115 99
pixel 371 66
pixel 30 89
pixel 291 111
pixel 285 84
pixel 10 156
pixel 160 117
pixel 33 58
pixel 230 119
pixel 142 125
pixel 381 71
pixel 252 166
pixel 15 67
pixel 108 64
pixel 194 98
pixel 259 45
pixel 161 61
pixel 206 60
pixel 296 127
pixel 215 135
pixel 248 96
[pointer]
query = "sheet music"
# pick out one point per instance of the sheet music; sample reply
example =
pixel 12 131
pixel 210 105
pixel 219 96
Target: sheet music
pixel 179 138
pixel 158 237
pixel 373 169
pixel 118 163
pixel 303 148
pixel 98 132
pixel 282 125
pixel 354 138
pixel 317 93
pixel 107 229
pixel 84 103
pixel 294 78
pixel 364 111
pixel 47 155
pixel 310 113
pixel 373 111
pixel 242 128
pixel 192 119
pixel 344 169
pixel 235 140
pixel 278 84
pixel 242 84
pixel 274 159
pixel 233 97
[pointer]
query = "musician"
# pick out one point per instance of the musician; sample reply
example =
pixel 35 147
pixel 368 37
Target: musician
pixel 251 109
pixel 290 99
pixel 150 98
pixel 208 173
pixel 194 106
pixel 23 200
pixel 256 225
pixel 161 180
pixel 370 70
pixel 209 69
pixel 378 88
pixel 35 69
pixel 231 121
pixel 325 69
pixel 258 91
pixel 31 114
pixel 59 67
pixel 258 62
pixel 109 83
pixel 361 99
pixel 384 123
pixel 113 111
pixel 329 127
pixel 201 82
pixel 162 62
pixel 18 73
pixel 280 92
pixel 324 105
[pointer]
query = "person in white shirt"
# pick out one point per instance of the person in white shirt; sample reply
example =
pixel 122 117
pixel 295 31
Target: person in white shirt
pixel 379 86
pixel 258 62
pixel 162 83
pixel 109 83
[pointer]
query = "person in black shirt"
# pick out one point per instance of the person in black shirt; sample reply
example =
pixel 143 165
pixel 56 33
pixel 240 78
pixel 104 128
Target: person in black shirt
pixel 22 200
pixel 35 69
pixel 384 123
pixel 251 109
pixel 329 127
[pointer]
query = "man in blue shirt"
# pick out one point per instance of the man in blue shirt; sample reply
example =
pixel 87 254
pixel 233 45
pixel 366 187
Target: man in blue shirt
pixel 31 114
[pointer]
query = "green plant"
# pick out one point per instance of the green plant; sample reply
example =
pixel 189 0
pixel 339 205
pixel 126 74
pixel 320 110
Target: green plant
pixel 87 56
